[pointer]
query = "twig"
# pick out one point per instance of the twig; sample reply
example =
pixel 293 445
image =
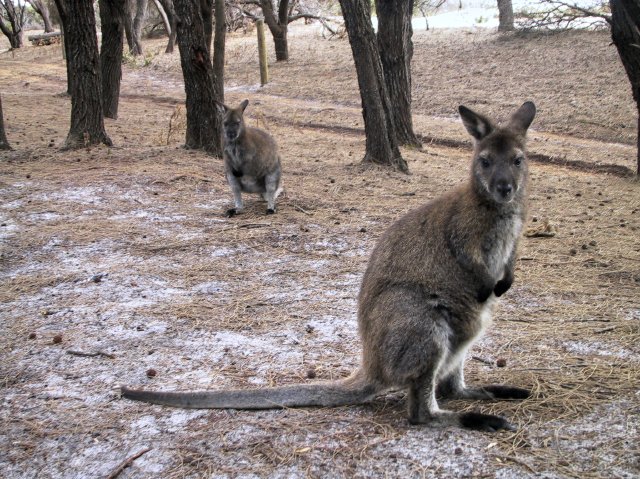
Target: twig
pixel 301 209
pixel 483 360
pixel 516 460
pixel 254 225
pixel 90 355
pixel 604 330
pixel 126 463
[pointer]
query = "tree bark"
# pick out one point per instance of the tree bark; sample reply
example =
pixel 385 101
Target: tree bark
pixel 4 144
pixel 41 9
pixel 112 17
pixel 625 32
pixel 13 31
pixel 138 23
pixel 381 144
pixel 206 10
pixel 396 51
pixel 128 23
pixel 203 122
pixel 167 5
pixel 83 65
pixel 505 16
pixel 278 26
pixel 218 50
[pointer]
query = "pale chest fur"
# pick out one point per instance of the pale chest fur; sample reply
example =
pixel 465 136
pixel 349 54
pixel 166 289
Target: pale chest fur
pixel 501 245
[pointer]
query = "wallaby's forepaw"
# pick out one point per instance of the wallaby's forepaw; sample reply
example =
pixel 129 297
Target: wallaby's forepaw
pixel 231 212
pixel 485 422
pixel 271 211
pixel 502 286
pixel 507 392
pixel 484 293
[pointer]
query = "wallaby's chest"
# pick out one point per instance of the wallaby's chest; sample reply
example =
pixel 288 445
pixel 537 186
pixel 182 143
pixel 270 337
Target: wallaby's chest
pixel 500 242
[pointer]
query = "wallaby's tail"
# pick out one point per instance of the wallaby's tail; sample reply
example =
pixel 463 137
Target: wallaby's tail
pixel 354 389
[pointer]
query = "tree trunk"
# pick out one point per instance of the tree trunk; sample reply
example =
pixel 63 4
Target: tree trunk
pixel 203 122
pixel 505 16
pixel 83 64
pixel 167 5
pixel 381 144
pixel 625 32
pixel 128 23
pixel 218 50
pixel 4 144
pixel 138 23
pixel 278 26
pixel 13 32
pixel 112 20
pixel 206 10
pixel 41 9
pixel 396 51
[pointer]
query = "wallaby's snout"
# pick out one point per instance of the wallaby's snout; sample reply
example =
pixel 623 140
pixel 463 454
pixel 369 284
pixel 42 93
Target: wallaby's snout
pixel 504 188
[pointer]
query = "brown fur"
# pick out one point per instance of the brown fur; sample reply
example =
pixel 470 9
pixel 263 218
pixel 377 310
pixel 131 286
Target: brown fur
pixel 251 160
pixel 426 296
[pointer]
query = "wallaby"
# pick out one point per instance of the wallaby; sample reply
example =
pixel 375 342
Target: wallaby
pixel 251 160
pixel 426 296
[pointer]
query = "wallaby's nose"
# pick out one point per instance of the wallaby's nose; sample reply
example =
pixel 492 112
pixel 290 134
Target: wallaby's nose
pixel 504 189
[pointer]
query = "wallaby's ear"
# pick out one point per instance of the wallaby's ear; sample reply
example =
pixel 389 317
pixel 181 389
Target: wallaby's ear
pixel 477 125
pixel 243 105
pixel 522 118
pixel 222 108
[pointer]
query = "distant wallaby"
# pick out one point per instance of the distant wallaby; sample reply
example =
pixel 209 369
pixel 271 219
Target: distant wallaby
pixel 426 296
pixel 251 160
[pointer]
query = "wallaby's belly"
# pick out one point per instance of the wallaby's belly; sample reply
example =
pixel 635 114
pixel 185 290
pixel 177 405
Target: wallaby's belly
pixel 251 184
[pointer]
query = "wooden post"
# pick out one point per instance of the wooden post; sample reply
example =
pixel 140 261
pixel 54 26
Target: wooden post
pixel 262 54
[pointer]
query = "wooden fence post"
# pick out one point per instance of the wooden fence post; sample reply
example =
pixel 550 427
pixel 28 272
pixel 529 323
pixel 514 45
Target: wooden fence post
pixel 262 53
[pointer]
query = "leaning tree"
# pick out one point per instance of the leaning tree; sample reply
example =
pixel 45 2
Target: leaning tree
pixel 83 67
pixel 40 7
pixel 381 144
pixel 625 32
pixel 203 122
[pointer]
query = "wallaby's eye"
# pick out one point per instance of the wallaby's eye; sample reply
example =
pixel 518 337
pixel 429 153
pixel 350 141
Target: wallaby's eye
pixel 518 161
pixel 485 162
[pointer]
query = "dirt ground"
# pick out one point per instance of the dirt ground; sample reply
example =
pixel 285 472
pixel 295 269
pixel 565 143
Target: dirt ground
pixel 118 261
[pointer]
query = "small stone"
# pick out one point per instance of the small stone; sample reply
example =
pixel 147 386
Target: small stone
pixel 311 373
pixel 152 373
pixel 501 362
pixel 57 339
pixel 363 230
pixel 573 251
pixel 32 336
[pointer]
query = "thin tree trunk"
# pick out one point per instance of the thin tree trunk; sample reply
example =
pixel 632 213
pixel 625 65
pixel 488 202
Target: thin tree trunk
pixel 381 144
pixel 625 32
pixel 41 9
pixel 83 63
pixel 505 16
pixel 203 122
pixel 13 32
pixel 4 143
pixel 128 23
pixel 112 17
pixel 218 50
pixel 278 26
pixel 138 23
pixel 396 51
pixel 167 5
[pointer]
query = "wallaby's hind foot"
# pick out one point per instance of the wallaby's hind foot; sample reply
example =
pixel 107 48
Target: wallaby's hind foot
pixel 271 211
pixel 485 422
pixel 231 212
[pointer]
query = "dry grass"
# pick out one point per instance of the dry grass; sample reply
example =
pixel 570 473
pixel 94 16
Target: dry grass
pixel 211 302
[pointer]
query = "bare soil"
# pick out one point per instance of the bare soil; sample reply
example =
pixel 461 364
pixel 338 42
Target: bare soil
pixel 118 266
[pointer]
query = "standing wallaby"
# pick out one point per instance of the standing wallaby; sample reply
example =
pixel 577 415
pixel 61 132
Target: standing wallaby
pixel 251 160
pixel 426 296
